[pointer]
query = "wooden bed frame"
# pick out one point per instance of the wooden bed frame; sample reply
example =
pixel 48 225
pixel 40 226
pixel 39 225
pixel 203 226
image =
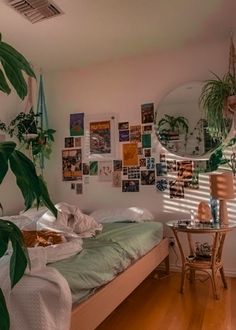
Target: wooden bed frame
pixel 90 313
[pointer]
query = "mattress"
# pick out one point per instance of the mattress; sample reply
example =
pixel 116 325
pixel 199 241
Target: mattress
pixel 107 254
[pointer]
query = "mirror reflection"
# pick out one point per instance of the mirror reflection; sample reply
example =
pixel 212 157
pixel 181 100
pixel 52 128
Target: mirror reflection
pixel 180 124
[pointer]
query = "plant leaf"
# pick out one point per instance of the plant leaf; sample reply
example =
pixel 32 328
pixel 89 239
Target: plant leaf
pixel 6 149
pixel 3 84
pixel 4 316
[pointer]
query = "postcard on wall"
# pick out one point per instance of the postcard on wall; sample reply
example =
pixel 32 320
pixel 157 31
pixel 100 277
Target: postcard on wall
pixel 93 168
pixel 146 141
pixel 185 170
pixel 147 113
pixel 146 129
pixel 134 172
pixel 161 184
pixel 105 170
pixel 142 162
pixel 77 124
pixel 69 142
pixel 125 170
pixel 147 177
pixel 123 125
pixel 161 169
pixel 116 179
pixel 176 189
pixel 130 154
pixel 130 185
pixel 77 142
pixel 85 167
pixel 135 133
pixel 124 136
pixel 150 163
pixel 71 164
pixel 147 153
pixel 117 165
pixel 79 188
pixel 171 166
pixel 193 183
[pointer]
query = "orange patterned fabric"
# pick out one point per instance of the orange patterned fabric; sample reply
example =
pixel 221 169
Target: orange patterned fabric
pixel 44 238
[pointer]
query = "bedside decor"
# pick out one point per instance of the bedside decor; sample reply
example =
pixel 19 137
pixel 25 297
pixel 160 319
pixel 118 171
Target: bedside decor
pixel 222 188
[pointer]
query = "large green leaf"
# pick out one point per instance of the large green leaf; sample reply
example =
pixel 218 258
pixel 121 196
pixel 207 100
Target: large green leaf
pixel 13 64
pixel 4 316
pixel 6 149
pixel 45 197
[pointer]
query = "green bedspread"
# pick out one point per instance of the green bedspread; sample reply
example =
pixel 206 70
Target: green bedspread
pixel 107 254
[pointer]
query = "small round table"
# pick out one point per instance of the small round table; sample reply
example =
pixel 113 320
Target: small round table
pixel 210 263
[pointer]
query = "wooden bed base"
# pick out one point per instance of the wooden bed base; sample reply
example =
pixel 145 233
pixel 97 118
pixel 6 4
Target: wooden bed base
pixel 90 313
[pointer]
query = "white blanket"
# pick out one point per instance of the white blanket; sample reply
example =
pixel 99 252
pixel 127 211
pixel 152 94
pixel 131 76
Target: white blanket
pixel 40 301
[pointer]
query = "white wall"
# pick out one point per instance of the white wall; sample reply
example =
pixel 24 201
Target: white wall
pixel 121 87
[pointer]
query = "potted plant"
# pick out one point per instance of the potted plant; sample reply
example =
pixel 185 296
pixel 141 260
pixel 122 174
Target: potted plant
pixel 170 127
pixel 32 186
pixel 218 100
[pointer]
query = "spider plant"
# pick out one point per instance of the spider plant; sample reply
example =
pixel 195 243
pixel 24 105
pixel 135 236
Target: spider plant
pixel 32 187
pixel 172 125
pixel 214 99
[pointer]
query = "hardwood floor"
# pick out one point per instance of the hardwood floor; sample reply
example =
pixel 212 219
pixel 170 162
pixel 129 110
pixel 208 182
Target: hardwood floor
pixel 157 305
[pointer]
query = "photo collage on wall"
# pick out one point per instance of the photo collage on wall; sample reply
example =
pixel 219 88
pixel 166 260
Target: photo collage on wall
pixel 139 166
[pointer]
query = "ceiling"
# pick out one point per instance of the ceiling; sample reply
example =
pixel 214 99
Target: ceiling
pixel 92 31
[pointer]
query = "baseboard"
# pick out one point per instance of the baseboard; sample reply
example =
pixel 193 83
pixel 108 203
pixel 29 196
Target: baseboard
pixel 228 272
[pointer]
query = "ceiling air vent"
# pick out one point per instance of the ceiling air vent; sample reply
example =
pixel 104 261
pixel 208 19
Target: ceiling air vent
pixel 35 10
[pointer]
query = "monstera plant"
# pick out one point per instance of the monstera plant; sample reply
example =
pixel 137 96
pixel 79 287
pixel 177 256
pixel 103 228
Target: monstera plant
pixel 13 67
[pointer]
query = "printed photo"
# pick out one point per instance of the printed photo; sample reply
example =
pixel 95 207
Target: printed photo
pixel 79 188
pixel 69 142
pixel 161 169
pixel 125 170
pixel 77 124
pixel 176 189
pixel 93 167
pixel 130 154
pixel 146 129
pixel 135 133
pixel 116 179
pixel 162 157
pixel 71 164
pixel 147 153
pixel 171 166
pixel 161 184
pixel 130 185
pixel 146 141
pixel 185 170
pixel 147 113
pixel 117 165
pixel 123 125
pixel 105 170
pixel 85 167
pixel 100 137
pixel 124 136
pixel 147 177
pixel 150 163
pixel 140 151
pixel 142 162
pixel 134 172
pixel 77 142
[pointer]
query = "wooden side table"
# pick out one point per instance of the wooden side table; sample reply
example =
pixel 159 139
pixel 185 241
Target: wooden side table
pixel 211 263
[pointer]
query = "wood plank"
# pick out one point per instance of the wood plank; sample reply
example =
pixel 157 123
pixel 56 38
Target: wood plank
pixel 157 304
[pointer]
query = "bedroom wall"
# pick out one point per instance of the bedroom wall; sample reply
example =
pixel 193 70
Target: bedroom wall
pixel 121 87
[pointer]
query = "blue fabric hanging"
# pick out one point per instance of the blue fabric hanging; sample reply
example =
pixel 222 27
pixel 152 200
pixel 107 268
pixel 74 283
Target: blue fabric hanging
pixel 42 111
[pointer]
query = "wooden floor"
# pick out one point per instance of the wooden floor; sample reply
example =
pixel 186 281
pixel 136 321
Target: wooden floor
pixel 157 305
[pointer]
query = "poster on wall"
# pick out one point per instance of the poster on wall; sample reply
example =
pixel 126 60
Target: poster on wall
pixel 116 179
pixel 71 164
pixel 105 170
pixel 77 124
pixel 147 113
pixel 100 137
pixel 135 133
pixel 99 142
pixel 176 189
pixel 130 185
pixel 130 154
pixel 69 142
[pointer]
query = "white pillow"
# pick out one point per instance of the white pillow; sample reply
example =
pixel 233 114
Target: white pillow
pixel 136 214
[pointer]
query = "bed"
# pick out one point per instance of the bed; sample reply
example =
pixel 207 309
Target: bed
pixel 127 250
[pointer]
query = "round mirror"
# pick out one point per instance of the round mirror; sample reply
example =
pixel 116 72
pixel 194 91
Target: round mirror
pixel 180 124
